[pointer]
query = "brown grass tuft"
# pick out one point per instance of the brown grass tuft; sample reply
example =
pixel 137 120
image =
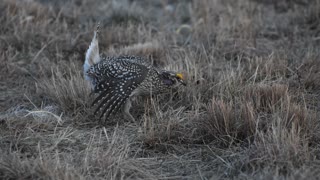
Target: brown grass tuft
pixel 266 97
pixel 67 88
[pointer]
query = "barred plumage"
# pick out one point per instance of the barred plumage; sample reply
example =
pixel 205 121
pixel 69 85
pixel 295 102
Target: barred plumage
pixel 117 79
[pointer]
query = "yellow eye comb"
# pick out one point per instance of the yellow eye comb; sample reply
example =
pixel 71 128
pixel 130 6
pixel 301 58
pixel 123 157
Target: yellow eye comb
pixel 179 75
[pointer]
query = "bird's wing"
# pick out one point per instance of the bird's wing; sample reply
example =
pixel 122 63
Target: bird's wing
pixel 120 78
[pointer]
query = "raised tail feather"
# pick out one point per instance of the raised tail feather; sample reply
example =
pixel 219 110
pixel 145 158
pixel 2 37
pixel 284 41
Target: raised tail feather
pixel 92 54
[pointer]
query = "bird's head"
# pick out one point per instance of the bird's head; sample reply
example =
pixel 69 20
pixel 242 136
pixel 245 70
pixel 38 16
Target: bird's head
pixel 172 78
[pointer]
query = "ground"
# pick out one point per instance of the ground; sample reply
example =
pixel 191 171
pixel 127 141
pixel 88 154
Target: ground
pixel 249 110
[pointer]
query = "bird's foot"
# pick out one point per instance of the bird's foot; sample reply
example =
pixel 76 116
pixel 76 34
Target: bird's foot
pixel 129 117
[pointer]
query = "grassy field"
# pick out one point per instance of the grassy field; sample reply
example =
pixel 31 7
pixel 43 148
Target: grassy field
pixel 250 109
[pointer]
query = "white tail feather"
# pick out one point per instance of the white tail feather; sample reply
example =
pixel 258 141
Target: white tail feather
pixel 92 55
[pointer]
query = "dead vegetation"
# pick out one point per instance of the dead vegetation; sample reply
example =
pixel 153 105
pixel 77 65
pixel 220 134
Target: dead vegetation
pixel 250 110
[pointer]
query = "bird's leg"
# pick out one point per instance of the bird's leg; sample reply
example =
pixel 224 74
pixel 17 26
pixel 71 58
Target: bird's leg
pixel 127 107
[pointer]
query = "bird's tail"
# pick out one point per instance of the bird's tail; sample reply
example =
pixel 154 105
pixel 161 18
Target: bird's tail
pixel 92 54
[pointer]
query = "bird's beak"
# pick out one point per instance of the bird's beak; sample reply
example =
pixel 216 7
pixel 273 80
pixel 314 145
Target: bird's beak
pixel 182 82
pixel 180 79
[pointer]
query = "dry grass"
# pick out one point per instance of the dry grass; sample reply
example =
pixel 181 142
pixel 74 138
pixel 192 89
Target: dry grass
pixel 249 111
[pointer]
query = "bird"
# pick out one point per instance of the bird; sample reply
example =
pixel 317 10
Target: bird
pixel 116 80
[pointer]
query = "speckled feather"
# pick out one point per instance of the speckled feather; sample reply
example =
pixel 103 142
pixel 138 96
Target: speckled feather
pixel 115 79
